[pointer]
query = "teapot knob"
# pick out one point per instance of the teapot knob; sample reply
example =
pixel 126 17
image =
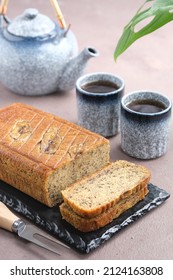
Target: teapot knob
pixel 30 13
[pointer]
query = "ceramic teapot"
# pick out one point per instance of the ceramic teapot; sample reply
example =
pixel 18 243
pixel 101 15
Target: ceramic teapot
pixel 37 57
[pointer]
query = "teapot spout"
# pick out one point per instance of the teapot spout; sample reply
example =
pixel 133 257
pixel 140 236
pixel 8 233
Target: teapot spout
pixel 75 67
pixel 89 52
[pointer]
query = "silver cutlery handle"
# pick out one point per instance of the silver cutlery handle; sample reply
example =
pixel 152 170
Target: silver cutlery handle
pixel 7 218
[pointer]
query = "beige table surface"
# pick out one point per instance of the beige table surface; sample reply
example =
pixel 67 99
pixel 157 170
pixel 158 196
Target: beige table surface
pixel 148 64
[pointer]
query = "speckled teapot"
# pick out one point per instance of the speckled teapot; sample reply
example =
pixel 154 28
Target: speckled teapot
pixel 37 56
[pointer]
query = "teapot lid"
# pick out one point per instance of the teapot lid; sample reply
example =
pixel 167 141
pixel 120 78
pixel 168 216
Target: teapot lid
pixel 31 24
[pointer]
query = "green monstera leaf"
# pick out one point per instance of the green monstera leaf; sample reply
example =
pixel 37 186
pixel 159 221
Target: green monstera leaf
pixel 160 12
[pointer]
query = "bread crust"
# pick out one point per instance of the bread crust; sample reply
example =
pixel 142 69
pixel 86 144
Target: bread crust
pixel 88 199
pixel 34 145
pixel 92 224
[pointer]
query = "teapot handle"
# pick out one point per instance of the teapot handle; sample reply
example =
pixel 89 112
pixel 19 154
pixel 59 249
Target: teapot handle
pixel 3 11
pixel 3 7
pixel 59 14
pixel 4 4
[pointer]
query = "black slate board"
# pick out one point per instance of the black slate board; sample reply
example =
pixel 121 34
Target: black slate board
pixel 50 219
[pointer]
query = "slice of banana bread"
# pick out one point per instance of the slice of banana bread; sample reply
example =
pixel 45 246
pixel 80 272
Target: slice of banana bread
pixel 91 224
pixel 41 154
pixel 106 187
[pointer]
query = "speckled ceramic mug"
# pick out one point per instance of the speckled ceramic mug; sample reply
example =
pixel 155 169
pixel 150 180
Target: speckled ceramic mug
pixel 145 133
pixel 99 111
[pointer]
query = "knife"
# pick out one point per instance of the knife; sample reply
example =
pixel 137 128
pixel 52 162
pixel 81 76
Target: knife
pixel 11 222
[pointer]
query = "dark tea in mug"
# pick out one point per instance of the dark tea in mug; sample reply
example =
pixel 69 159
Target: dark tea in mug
pixel 145 124
pixel 146 106
pixel 100 87
pixel 98 102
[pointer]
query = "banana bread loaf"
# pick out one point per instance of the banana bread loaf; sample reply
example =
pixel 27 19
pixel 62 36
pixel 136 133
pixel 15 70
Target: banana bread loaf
pixel 103 189
pixel 41 154
pixel 91 224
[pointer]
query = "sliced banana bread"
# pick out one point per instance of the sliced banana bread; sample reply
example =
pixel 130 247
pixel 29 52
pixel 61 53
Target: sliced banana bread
pixel 103 189
pixel 91 224
pixel 41 154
